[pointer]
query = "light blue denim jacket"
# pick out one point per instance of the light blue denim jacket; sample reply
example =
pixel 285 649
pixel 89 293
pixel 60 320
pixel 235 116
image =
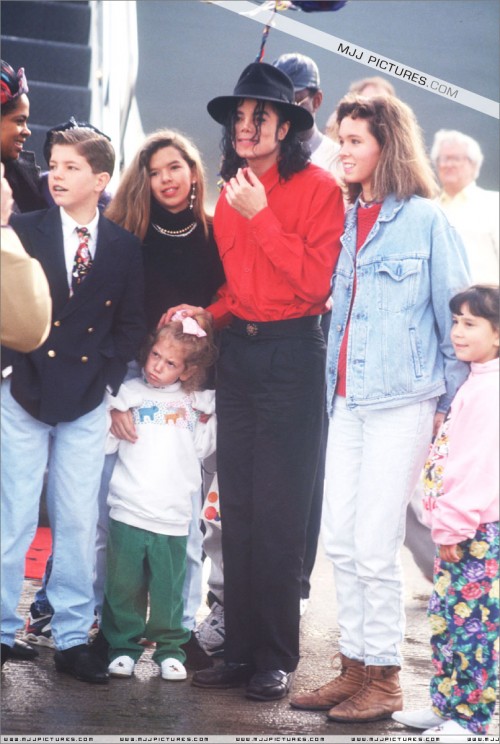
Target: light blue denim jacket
pixel 399 350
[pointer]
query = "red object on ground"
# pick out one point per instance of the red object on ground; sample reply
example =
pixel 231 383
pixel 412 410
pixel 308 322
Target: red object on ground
pixel 37 555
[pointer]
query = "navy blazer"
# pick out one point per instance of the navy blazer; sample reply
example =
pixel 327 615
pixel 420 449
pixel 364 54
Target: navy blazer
pixel 94 333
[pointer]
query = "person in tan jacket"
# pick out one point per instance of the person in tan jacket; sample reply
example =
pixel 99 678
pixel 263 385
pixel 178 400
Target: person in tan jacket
pixel 26 305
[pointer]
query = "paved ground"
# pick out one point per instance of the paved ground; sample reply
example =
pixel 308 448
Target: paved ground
pixel 36 700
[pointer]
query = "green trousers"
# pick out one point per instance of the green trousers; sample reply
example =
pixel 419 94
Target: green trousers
pixel 144 568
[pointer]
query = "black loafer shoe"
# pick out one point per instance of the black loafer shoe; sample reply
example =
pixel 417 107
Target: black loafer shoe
pixel 271 685
pixel 82 663
pixel 21 651
pixel 223 676
pixel 100 647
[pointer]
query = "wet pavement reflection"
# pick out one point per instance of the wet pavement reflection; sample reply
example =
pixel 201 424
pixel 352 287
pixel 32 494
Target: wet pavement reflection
pixel 37 700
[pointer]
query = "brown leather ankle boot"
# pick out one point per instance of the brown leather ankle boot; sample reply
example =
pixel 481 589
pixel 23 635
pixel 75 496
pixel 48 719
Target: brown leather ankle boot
pixel 378 698
pixel 348 682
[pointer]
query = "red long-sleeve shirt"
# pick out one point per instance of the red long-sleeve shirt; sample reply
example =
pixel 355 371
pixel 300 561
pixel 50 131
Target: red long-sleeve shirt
pixel 279 264
pixel 366 220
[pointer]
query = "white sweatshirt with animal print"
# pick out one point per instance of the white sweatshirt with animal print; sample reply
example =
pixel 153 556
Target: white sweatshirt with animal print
pixel 155 478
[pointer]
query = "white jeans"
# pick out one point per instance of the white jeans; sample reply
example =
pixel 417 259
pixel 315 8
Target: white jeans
pixel 373 461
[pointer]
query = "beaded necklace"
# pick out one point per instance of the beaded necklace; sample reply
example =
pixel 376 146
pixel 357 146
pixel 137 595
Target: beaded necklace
pixel 176 233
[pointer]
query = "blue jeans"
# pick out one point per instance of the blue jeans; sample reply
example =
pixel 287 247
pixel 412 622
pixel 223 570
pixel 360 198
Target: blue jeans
pixel 75 463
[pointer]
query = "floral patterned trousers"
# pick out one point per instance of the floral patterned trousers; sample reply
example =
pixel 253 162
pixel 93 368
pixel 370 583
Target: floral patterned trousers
pixel 464 617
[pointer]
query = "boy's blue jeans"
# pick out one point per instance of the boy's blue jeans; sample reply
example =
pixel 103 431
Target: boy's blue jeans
pixel 74 471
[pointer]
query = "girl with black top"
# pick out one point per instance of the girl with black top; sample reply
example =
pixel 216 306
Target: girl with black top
pixel 161 199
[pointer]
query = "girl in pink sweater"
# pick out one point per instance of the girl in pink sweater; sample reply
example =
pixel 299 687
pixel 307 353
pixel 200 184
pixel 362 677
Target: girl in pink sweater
pixel 461 508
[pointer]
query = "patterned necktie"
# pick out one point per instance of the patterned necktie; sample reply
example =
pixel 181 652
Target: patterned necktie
pixel 83 260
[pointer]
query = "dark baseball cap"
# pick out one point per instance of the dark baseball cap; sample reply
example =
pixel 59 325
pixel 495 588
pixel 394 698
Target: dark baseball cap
pixel 302 70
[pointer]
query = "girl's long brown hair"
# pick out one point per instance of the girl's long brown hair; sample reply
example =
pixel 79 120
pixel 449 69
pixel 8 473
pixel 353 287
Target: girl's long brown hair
pixel 131 205
pixel 403 168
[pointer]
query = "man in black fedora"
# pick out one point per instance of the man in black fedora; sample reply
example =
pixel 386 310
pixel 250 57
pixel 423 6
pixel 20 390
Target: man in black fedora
pixel 277 225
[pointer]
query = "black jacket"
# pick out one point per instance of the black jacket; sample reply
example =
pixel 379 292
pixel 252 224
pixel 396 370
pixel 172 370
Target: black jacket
pixel 94 333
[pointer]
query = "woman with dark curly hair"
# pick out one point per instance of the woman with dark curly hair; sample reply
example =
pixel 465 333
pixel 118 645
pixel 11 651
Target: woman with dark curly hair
pixel 21 170
pixel 277 225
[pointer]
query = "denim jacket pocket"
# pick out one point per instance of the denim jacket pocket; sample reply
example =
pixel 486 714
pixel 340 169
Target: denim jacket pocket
pixel 397 283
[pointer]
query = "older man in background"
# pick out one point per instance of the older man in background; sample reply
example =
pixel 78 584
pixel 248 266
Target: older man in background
pixel 473 211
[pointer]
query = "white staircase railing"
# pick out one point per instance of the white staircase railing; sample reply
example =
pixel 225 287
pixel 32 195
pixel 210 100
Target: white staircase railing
pixel 115 60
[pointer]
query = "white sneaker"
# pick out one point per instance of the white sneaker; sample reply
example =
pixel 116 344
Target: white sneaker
pixel 122 666
pixel 449 728
pixel 419 719
pixel 173 669
pixel 303 606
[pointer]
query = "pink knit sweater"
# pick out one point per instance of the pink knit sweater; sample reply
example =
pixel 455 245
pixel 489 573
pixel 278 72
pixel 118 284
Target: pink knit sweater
pixel 461 489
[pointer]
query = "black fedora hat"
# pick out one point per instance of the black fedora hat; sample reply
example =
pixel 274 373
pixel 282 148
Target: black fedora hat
pixel 265 83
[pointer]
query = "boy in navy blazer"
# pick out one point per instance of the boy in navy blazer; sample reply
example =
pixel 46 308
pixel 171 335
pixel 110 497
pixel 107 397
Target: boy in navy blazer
pixel 55 394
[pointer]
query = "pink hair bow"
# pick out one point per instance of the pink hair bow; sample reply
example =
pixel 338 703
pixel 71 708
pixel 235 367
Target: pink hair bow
pixel 189 325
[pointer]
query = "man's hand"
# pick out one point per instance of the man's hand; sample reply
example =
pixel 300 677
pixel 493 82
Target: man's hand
pixel 246 194
pixel 122 426
pixel 188 311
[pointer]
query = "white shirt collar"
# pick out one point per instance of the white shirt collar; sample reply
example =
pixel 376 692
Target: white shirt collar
pixel 69 224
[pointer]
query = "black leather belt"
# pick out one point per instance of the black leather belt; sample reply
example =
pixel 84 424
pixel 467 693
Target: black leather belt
pixel 274 328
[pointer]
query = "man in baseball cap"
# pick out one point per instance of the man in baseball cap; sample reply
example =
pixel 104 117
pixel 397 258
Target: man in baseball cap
pixel 304 74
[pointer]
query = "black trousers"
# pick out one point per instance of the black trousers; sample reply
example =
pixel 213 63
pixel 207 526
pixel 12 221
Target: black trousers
pixel 314 521
pixel 270 398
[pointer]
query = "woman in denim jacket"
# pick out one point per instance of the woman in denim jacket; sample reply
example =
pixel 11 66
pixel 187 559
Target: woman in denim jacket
pixel 391 374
